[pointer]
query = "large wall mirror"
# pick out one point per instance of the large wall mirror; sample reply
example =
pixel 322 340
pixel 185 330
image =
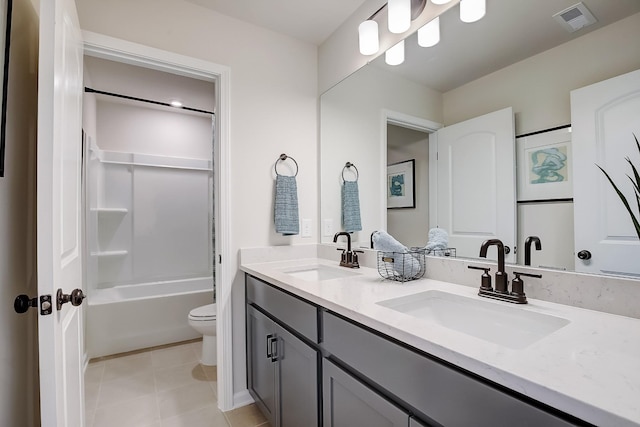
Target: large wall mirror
pixel 5 39
pixel 517 56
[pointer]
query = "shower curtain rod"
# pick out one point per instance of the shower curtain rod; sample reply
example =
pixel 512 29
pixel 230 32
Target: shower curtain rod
pixel 133 98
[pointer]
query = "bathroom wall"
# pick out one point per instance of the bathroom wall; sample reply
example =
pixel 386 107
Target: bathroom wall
pixel 538 87
pixel 410 226
pixel 273 101
pixel 18 355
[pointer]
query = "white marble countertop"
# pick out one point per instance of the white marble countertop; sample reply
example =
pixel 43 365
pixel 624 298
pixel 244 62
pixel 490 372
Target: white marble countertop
pixel 589 368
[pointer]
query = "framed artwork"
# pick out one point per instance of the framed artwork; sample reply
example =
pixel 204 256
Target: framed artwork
pixel 5 38
pixel 544 165
pixel 401 192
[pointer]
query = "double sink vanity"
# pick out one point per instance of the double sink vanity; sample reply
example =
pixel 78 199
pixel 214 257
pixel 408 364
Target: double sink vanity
pixel 334 346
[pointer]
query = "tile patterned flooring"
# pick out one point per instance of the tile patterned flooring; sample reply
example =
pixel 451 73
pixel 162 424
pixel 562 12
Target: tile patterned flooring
pixel 159 387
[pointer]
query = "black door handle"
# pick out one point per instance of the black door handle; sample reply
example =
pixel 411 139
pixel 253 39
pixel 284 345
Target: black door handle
pixel 22 303
pixel 75 298
pixel 584 255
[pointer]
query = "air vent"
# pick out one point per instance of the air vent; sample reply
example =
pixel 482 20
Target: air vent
pixel 575 17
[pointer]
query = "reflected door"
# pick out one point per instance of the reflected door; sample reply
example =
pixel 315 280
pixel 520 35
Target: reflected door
pixel 476 183
pixel 604 117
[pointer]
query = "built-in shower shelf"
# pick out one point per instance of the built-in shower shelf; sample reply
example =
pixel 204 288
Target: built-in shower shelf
pixel 108 211
pixel 109 253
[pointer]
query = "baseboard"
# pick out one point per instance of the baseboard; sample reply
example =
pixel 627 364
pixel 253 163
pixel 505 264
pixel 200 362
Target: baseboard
pixel 242 398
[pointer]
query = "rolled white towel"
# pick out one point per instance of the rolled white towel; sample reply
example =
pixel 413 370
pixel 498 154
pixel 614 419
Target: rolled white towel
pixel 438 239
pixel 404 265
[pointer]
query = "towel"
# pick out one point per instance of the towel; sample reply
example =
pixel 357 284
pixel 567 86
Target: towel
pixel 438 240
pixel 405 265
pixel 351 207
pixel 286 205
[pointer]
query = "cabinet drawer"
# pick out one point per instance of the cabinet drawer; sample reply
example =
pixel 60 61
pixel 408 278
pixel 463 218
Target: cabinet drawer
pixel 298 314
pixel 434 390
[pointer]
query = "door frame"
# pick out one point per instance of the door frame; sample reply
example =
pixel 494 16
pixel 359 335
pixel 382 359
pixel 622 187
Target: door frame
pixel 113 49
pixel 396 118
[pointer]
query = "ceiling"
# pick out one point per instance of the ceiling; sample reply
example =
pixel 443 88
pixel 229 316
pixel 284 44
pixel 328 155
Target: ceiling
pixel 308 20
pixel 511 31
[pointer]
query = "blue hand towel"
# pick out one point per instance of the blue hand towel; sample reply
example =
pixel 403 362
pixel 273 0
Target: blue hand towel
pixel 351 207
pixel 438 239
pixel 286 205
pixel 405 265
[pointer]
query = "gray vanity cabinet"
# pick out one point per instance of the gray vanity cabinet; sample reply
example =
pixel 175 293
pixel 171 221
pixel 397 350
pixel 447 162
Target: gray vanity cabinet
pixel 347 402
pixel 282 369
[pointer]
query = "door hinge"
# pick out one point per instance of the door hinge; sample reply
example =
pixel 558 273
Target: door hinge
pixel 219 259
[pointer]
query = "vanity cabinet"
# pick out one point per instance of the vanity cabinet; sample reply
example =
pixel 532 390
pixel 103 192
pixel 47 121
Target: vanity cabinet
pixel 428 388
pixel 282 369
pixel 302 357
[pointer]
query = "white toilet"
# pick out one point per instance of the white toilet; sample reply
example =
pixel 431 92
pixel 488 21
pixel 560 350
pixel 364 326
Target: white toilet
pixel 203 320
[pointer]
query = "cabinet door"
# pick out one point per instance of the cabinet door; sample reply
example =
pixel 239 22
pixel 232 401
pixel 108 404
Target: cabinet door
pixel 415 423
pixel 297 381
pixel 347 402
pixel 261 370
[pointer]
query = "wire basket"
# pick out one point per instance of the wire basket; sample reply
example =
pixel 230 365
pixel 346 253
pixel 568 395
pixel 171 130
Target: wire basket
pixel 448 252
pixel 401 266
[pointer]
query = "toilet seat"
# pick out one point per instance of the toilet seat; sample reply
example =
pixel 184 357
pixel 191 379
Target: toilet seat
pixel 204 313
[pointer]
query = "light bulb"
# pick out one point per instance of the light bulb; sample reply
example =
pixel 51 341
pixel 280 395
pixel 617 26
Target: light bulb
pixel 368 35
pixel 399 15
pixel 472 10
pixel 395 54
pixel 429 35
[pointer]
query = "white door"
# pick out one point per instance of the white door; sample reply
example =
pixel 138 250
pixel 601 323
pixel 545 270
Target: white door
pixel 476 183
pixel 604 117
pixel 58 214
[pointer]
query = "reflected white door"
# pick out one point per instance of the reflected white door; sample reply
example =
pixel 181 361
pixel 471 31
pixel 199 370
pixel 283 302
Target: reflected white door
pixel 58 215
pixel 604 117
pixel 476 183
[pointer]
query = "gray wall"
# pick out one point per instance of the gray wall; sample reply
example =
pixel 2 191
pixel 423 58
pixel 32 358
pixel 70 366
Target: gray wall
pixel 18 333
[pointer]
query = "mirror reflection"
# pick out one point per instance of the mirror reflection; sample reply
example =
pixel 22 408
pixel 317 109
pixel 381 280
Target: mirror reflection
pixel 518 56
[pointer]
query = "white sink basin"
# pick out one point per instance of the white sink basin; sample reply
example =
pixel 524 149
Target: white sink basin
pixel 314 273
pixel 496 322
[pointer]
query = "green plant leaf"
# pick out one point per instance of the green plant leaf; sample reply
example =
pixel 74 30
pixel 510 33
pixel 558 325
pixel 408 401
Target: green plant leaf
pixel 636 224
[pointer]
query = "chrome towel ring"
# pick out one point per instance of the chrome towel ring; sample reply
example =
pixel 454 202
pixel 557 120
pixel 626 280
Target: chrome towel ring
pixel 282 158
pixel 349 165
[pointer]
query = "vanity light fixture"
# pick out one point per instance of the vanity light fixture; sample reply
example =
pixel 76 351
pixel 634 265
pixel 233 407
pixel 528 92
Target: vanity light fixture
pixel 395 54
pixel 368 36
pixel 399 15
pixel 472 10
pixel 429 34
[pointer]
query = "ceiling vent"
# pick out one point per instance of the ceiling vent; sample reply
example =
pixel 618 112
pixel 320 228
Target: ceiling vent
pixel 575 17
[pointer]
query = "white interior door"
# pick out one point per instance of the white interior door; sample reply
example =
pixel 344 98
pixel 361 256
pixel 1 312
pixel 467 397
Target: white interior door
pixel 476 183
pixel 604 117
pixel 58 216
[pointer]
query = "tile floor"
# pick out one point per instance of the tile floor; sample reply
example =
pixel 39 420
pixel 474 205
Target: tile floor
pixel 159 387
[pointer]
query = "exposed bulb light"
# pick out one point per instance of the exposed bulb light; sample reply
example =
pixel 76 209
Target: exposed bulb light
pixel 472 10
pixel 440 1
pixel 176 103
pixel 395 54
pixel 368 36
pixel 399 15
pixel 429 35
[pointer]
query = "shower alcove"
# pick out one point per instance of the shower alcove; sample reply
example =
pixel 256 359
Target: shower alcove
pixel 148 210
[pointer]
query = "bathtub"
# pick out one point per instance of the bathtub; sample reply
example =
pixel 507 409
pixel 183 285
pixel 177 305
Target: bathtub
pixel 132 317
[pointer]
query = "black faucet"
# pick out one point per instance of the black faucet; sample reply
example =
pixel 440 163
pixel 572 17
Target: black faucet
pixel 501 276
pixel 527 248
pixel 349 258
